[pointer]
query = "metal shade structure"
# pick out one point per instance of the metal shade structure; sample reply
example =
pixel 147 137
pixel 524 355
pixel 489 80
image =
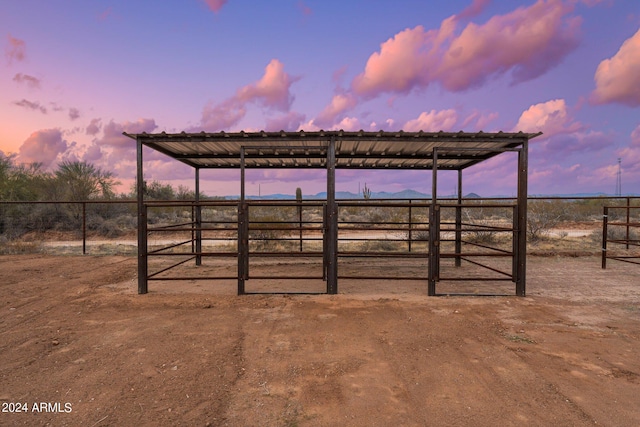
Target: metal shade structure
pixel 331 150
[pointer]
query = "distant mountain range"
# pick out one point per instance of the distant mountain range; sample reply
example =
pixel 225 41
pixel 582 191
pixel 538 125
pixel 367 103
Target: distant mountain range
pixel 405 195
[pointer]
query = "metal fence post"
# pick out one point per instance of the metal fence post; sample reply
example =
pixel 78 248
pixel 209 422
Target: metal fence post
pixel 243 243
pixel 84 228
pixel 628 218
pixel 605 220
pixel 410 226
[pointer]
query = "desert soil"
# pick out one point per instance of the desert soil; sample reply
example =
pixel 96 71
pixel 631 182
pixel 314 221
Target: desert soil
pixel 76 336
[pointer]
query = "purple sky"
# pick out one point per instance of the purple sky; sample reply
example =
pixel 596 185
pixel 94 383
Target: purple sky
pixel 75 74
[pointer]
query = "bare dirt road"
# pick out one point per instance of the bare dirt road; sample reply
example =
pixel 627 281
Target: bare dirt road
pixel 79 347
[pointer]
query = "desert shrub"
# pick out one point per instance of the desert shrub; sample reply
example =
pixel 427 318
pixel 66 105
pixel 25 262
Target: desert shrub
pixel 480 236
pixel 542 216
pixel 380 246
pixel 104 227
pixel 614 233
pixel 16 247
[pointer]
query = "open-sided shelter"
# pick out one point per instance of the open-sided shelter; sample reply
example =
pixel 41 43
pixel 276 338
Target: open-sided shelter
pixel 331 150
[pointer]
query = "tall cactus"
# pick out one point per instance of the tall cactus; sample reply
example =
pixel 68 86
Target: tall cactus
pixel 366 192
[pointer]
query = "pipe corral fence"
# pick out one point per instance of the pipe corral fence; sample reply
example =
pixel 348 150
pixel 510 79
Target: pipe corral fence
pixel 615 218
pixel 370 230
pixel 477 232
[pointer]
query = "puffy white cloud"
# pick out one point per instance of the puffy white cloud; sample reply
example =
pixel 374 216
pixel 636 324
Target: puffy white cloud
pixel 433 121
pixel 94 127
pixel 475 8
pixel 401 64
pixel 271 91
pixel 479 121
pixel 289 122
pixel 618 78
pixel 43 146
pixel 223 115
pixel 528 42
pixel 115 151
pixel 74 113
pixel 550 117
pixel 340 103
pixel 348 124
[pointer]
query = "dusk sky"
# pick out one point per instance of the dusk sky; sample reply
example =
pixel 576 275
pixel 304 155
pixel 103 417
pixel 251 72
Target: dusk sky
pixel 75 74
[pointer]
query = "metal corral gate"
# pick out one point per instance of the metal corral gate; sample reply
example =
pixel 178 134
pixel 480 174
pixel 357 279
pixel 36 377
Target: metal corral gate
pixel 612 234
pixel 252 230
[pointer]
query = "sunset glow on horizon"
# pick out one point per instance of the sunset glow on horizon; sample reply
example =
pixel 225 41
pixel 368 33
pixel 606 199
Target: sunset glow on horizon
pixel 75 75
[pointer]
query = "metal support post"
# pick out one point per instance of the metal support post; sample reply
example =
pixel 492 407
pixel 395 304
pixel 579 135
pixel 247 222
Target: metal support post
pixel 332 220
pixel 523 171
pixel 198 219
pixel 433 229
pixel 142 224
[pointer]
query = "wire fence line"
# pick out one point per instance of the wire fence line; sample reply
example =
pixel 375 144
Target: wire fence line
pixel 84 225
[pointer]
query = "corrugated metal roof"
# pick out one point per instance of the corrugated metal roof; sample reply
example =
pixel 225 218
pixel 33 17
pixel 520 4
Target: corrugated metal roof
pixel 366 150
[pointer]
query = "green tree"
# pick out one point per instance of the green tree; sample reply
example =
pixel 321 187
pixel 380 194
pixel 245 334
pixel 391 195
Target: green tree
pixel 83 181
pixel 21 182
pixel 156 190
pixel 79 181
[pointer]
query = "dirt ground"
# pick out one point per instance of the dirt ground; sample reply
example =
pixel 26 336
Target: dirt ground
pixel 79 347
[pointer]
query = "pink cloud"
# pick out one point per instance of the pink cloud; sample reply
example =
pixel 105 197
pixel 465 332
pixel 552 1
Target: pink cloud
pixel 114 151
pixel 576 144
pixel 528 42
pixel 474 9
pixel 30 81
pixel 551 118
pixel 15 49
pixel 304 8
pixel 340 103
pixel 348 123
pixel 35 106
pixel 618 78
pixel 635 137
pixel 43 146
pixel 215 5
pixel 105 14
pixel 272 91
pixel 479 121
pixel 222 116
pixel 289 122
pixel 74 113
pixel 433 121
pixel 94 127
pixel 401 65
